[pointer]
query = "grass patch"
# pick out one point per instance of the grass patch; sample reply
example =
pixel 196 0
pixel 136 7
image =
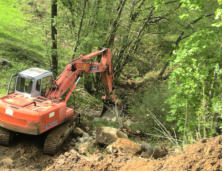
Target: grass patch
pixel 20 42
pixel 103 123
pixel 17 53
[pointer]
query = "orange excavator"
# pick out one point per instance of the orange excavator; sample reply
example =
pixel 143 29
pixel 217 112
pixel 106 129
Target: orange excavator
pixel 34 104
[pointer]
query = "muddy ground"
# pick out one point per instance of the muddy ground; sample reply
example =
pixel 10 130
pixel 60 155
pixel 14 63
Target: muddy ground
pixel 26 154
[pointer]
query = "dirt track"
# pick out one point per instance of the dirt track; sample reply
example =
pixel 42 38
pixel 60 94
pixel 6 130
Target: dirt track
pixel 26 154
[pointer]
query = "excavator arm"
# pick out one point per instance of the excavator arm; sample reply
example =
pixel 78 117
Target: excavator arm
pixel 69 78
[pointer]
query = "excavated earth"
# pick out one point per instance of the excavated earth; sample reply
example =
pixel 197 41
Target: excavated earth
pixel 205 155
pixel 26 154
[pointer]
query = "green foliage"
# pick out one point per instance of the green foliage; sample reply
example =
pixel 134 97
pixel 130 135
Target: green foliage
pixel 150 100
pixel 195 105
pixel 95 123
pixel 196 79
pixel 83 100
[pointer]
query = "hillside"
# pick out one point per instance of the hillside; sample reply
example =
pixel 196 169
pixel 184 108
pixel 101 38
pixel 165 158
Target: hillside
pixel 167 66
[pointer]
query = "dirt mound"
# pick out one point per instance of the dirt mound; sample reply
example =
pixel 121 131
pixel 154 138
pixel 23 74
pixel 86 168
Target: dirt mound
pixel 26 154
pixel 73 161
pixel 205 155
pixel 123 145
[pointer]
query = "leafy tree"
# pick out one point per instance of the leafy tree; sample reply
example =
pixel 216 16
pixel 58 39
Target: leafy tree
pixel 196 75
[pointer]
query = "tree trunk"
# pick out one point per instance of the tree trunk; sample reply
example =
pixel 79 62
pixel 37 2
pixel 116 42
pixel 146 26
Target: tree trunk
pixel 126 58
pixel 115 25
pixel 80 27
pixel 54 37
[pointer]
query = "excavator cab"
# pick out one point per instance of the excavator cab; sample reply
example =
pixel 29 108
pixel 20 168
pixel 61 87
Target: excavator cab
pixel 31 82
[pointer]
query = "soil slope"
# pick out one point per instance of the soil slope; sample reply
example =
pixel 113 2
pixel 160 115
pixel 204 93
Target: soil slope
pixel 205 155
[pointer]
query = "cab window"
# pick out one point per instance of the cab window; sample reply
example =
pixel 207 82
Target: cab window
pixel 24 85
pixel 46 84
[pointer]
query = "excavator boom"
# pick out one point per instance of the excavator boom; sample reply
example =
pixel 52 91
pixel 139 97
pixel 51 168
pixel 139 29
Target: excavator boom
pixel 67 80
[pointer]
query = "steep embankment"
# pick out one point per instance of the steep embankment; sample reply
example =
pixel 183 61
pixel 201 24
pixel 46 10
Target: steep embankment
pixel 204 155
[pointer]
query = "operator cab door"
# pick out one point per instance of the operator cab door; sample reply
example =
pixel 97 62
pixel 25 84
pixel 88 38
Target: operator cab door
pixel 44 85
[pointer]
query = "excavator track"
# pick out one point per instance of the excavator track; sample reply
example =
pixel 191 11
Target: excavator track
pixel 56 138
pixel 6 137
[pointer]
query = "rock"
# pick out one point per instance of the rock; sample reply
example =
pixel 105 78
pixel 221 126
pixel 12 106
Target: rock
pixel 107 135
pixel 84 147
pixel 146 147
pixel 86 135
pixel 4 62
pixel 60 161
pixel 160 152
pixel 7 162
pixel 66 154
pixel 120 134
pixel 94 134
pixel 87 128
pixel 204 140
pixel 152 151
pixel 74 140
pixel 61 156
pixel 20 150
pixel 128 122
pixel 78 131
pixel 146 155
pixel 83 139
pixel 123 145
pixel 111 114
pixel 138 132
pixel 109 149
pixel 73 152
